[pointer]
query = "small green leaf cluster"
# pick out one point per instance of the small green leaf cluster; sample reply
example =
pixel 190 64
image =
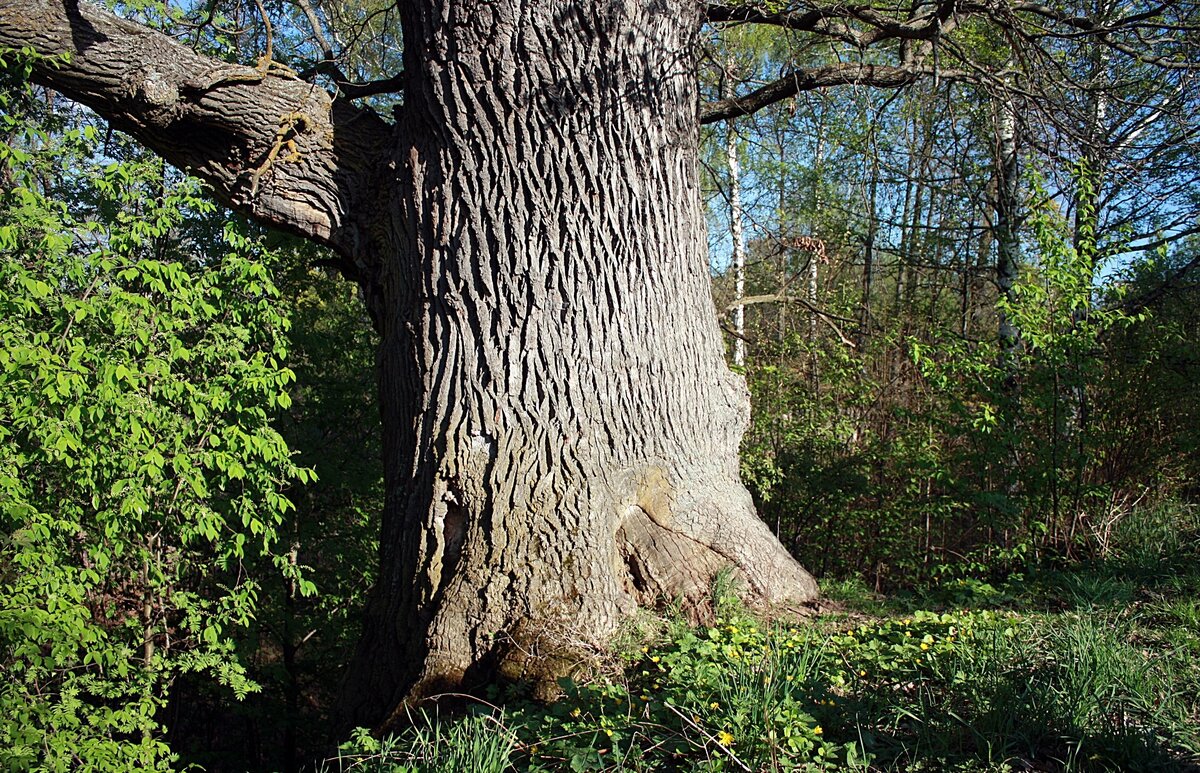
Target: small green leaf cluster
pixel 738 693
pixel 900 652
pixel 140 365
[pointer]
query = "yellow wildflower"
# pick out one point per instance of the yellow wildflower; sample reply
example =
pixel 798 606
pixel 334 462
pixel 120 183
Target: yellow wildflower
pixel 725 737
pixel 817 730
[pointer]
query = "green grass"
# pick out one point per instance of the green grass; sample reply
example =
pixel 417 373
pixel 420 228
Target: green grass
pixel 476 743
pixel 1094 667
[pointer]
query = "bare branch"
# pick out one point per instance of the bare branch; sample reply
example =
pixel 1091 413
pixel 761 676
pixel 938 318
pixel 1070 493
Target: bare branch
pixel 811 78
pixel 924 29
pixel 831 21
pixel 269 31
pixel 826 317
pixel 328 66
pixel 1104 32
pixel 827 21
pixel 357 90
pixel 318 34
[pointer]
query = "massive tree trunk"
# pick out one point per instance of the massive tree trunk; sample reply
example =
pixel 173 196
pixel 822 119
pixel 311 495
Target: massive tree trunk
pixel 560 429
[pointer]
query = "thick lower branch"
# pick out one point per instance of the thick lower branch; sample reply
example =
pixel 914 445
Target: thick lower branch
pixel 272 146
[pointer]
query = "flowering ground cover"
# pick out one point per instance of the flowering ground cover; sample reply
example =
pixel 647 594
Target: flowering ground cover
pixel 1095 667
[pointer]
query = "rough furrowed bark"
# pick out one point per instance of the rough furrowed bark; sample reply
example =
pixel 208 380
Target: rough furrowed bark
pixel 562 431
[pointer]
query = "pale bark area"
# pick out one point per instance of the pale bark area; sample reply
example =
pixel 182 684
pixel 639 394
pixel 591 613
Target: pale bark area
pixel 1008 246
pixel 560 429
pixel 736 232
pixel 818 208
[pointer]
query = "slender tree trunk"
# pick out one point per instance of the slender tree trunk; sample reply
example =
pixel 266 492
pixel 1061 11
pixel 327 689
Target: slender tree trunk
pixel 868 273
pixel 548 274
pixel 907 229
pixel 1006 203
pixel 918 232
pixel 148 624
pixel 817 208
pixel 783 231
pixel 736 235
pixel 1008 255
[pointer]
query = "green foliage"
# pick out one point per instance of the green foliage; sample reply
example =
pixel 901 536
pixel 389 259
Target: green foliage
pixel 140 366
pixel 1110 688
pixel 478 743
pixel 1148 416
pixel 296 645
pixel 1026 416
pixel 855 476
pixel 927 455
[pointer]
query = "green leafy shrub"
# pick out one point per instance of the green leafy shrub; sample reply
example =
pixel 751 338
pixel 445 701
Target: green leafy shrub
pixel 141 343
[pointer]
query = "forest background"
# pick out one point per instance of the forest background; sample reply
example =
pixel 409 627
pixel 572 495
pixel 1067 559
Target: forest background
pixel 966 314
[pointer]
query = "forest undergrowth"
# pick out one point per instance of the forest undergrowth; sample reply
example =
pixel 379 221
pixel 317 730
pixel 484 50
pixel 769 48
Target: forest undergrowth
pixel 1092 666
